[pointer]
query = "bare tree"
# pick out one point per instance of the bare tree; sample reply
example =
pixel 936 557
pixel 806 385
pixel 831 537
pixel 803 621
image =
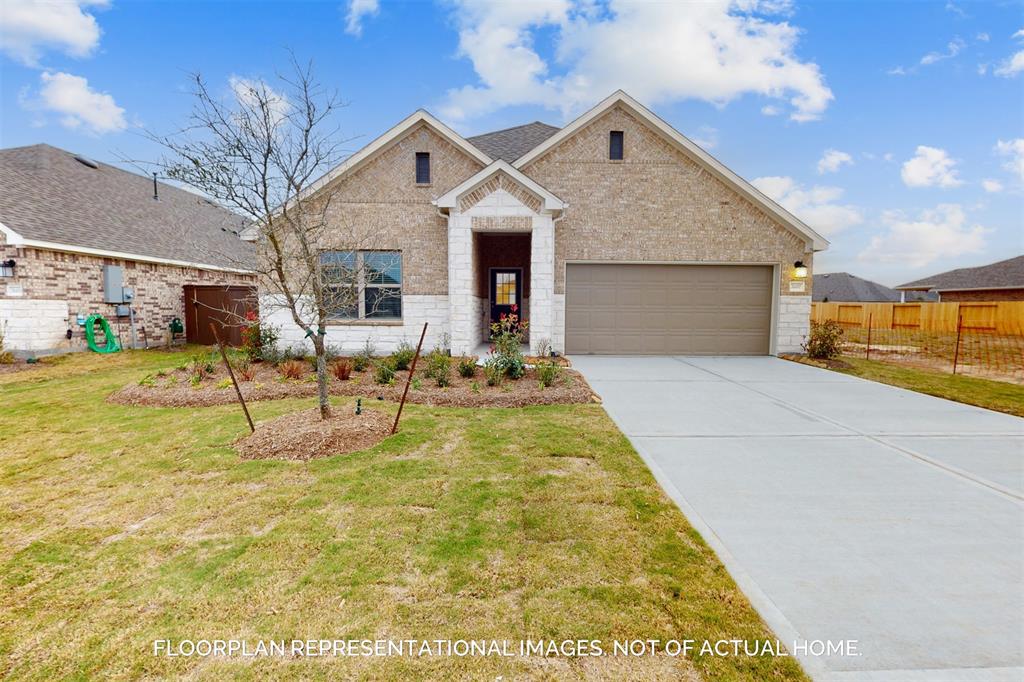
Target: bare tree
pixel 262 151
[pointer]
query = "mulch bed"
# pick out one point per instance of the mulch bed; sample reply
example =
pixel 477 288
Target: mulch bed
pixel 304 436
pixel 174 390
pixel 831 363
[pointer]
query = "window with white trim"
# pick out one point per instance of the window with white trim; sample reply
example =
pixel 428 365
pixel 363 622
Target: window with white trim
pixel 362 284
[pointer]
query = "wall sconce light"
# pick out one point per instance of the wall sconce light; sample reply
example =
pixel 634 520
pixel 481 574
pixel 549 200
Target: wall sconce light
pixel 7 268
pixel 799 270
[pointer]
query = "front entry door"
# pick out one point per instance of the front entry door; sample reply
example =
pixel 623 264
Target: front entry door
pixel 506 292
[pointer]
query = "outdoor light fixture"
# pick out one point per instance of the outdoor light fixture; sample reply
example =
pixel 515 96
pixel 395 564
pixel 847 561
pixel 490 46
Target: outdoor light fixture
pixel 7 268
pixel 799 270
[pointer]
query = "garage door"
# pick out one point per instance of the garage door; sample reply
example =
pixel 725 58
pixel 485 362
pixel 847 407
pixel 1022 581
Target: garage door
pixel 620 309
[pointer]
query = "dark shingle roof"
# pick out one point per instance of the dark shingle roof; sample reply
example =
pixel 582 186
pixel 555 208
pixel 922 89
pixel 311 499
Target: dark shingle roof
pixel 842 286
pixel 1005 274
pixel 48 195
pixel 511 143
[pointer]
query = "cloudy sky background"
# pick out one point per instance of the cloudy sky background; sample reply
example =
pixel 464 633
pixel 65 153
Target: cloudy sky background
pixel 895 129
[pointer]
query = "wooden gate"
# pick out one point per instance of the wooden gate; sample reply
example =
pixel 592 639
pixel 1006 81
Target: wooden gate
pixel 224 305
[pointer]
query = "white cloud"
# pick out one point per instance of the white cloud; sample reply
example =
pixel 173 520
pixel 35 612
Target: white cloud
pixel 991 186
pixel 939 233
pixel 28 27
pixel 78 104
pixel 250 93
pixel 815 206
pixel 833 160
pixel 658 52
pixel 357 11
pixel 770 110
pixel 706 136
pixel 1013 64
pixel 953 48
pixel 1014 151
pixel 982 37
pixel 930 167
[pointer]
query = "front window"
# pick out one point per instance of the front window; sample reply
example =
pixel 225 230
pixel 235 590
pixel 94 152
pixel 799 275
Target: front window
pixel 362 284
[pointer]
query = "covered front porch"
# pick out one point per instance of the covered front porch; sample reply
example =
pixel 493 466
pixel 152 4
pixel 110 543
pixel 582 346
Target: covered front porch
pixel 500 254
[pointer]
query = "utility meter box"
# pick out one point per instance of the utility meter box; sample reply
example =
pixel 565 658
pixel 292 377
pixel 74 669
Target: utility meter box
pixel 127 294
pixel 122 311
pixel 113 284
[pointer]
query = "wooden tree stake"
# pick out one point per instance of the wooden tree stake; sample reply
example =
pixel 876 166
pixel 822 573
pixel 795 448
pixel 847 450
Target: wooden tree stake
pixel 231 373
pixel 408 379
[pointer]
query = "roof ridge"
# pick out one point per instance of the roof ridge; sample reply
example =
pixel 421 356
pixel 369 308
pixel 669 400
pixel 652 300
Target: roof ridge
pixel 505 130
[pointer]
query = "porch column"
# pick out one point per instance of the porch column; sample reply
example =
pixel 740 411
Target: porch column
pixel 460 285
pixel 542 282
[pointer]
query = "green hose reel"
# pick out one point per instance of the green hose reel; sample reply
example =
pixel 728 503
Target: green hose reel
pixel 111 345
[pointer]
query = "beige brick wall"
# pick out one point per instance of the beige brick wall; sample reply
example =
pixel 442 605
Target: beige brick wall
pixel 656 204
pixel 382 198
pixel 78 280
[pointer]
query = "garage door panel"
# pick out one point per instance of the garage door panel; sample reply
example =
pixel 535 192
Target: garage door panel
pixel 668 309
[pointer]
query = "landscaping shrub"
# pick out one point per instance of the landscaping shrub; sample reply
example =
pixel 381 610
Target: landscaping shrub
pixel 247 372
pixel 548 373
pixel 364 358
pixel 506 338
pixel 224 383
pixel 199 367
pixel 494 371
pixel 6 356
pixel 341 369
pixel 467 367
pixel 258 339
pixel 403 355
pixel 292 369
pixel 824 341
pixel 384 372
pixel 439 367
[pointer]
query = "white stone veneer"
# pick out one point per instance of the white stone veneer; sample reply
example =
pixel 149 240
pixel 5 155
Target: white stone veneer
pixel 793 324
pixel 350 338
pixel 36 325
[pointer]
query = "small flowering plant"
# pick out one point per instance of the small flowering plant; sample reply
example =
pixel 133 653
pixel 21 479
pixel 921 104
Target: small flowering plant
pixel 506 337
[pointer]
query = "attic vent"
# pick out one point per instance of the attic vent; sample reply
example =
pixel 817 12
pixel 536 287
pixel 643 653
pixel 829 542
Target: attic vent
pixel 86 162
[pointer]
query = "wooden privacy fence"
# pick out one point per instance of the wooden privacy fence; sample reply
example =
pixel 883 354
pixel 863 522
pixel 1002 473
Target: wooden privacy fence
pixel 999 317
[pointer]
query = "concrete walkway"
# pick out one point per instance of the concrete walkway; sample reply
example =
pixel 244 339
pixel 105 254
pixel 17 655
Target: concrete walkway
pixel 845 509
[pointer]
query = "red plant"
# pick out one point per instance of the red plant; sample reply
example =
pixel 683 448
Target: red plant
pixel 341 369
pixel 292 369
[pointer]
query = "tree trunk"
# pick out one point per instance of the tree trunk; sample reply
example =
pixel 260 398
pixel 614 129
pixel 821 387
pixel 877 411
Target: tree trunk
pixel 322 377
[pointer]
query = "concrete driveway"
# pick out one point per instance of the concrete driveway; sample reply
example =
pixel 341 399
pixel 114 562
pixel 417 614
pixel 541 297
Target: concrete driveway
pixel 845 509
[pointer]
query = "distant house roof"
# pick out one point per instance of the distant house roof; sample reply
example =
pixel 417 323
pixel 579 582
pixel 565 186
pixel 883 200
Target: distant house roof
pixel 842 286
pixel 49 198
pixel 1004 274
pixel 511 143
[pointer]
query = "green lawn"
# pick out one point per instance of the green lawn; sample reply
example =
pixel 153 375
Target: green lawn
pixel 119 526
pixel 994 395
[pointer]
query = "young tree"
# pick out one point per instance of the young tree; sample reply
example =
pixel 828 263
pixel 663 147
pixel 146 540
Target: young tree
pixel 262 151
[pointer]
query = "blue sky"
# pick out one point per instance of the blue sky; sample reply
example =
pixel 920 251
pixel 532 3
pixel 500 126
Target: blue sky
pixel 895 128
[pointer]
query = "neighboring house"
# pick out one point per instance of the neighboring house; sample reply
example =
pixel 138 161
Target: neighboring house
pixel 842 286
pixel 1001 281
pixel 615 234
pixel 70 227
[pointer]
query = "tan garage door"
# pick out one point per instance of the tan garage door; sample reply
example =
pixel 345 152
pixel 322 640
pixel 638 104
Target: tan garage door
pixel 620 309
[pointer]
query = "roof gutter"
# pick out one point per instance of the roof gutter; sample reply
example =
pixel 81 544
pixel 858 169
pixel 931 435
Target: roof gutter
pixel 70 248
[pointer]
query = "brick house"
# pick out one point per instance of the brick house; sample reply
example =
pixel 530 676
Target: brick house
pixel 65 221
pixel 615 234
pixel 1000 281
